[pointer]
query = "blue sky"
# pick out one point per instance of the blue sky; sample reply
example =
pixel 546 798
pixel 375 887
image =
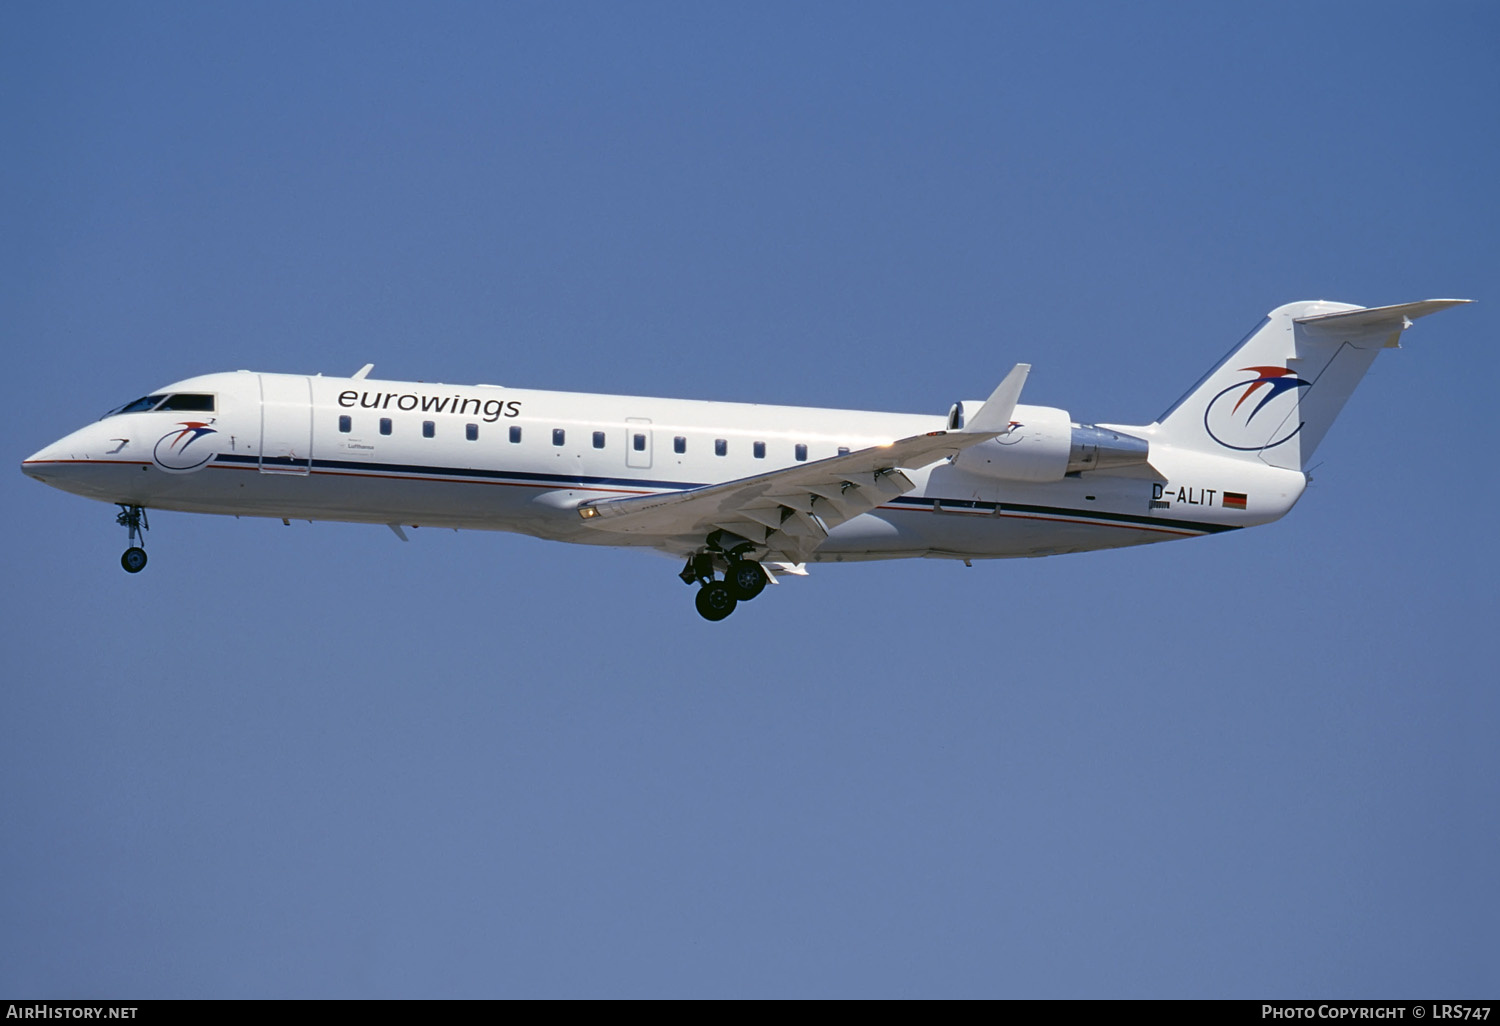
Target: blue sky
pixel 311 761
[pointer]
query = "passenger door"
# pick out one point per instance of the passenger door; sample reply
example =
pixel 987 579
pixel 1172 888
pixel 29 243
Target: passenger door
pixel 285 424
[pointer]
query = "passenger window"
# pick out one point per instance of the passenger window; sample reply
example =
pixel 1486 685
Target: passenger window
pixel 515 433
pixel 721 447
pixel 598 439
pixel 801 451
pixel 189 402
pixel 385 425
pixel 640 443
pixel 679 445
pixel 559 436
pixel 428 429
pixel 346 423
pixel 758 450
pixel 471 432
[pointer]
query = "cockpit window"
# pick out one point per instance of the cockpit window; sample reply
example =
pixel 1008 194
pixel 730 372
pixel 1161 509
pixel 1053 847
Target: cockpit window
pixel 188 402
pixel 178 402
pixel 141 405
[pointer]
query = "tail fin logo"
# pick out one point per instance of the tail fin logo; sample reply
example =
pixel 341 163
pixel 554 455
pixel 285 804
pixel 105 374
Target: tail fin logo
pixel 1256 414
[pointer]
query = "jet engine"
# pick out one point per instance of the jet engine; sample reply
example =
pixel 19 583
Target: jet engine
pixel 1045 445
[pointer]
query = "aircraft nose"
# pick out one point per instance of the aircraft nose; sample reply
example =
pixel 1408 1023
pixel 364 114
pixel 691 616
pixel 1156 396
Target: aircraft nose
pixel 73 464
pixel 38 463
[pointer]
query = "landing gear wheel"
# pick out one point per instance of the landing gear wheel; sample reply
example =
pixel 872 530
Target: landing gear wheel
pixel 745 579
pixel 133 519
pixel 714 601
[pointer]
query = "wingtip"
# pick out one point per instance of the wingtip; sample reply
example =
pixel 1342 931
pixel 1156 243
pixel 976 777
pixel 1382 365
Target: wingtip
pixel 994 416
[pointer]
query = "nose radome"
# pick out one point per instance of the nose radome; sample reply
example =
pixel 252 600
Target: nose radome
pixel 37 463
pixel 46 454
pixel 50 460
pixel 77 463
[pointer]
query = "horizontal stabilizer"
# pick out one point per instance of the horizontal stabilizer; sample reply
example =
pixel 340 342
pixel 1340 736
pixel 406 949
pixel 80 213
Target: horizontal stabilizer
pixel 1375 316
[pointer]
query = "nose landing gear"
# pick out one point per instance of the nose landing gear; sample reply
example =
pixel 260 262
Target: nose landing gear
pixel 133 519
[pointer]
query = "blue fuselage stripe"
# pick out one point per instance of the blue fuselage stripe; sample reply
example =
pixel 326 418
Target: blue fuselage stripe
pixel 641 484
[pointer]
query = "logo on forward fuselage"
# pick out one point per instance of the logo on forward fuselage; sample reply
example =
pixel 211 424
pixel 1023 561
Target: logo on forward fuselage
pixel 188 447
pixel 1256 414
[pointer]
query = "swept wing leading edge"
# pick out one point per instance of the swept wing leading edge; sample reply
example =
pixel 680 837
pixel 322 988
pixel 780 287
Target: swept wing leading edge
pixel 790 511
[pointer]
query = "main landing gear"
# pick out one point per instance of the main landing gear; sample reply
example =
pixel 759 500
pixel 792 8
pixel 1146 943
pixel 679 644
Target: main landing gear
pixel 744 579
pixel 133 519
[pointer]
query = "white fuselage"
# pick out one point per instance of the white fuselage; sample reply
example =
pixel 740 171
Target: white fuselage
pixel 493 458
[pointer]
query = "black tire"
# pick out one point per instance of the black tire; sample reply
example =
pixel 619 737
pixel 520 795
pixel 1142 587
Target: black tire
pixel 714 601
pixel 134 560
pixel 745 579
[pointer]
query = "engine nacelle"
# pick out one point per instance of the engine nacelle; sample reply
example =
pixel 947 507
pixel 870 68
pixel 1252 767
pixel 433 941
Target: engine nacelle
pixel 1045 445
pixel 1036 449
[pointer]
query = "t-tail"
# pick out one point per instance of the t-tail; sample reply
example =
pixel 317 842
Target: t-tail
pixel 1276 394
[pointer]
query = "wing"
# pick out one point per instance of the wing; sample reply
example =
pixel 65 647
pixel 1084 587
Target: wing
pixel 789 512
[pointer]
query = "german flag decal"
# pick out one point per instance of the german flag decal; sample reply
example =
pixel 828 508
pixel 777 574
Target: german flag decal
pixel 1234 500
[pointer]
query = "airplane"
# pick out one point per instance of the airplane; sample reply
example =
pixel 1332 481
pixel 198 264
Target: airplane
pixel 744 493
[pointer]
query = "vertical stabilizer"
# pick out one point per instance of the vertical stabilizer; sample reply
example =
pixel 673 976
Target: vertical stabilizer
pixel 1274 397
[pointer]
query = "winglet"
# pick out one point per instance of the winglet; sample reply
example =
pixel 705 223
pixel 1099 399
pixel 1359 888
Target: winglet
pixel 994 416
pixel 359 374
